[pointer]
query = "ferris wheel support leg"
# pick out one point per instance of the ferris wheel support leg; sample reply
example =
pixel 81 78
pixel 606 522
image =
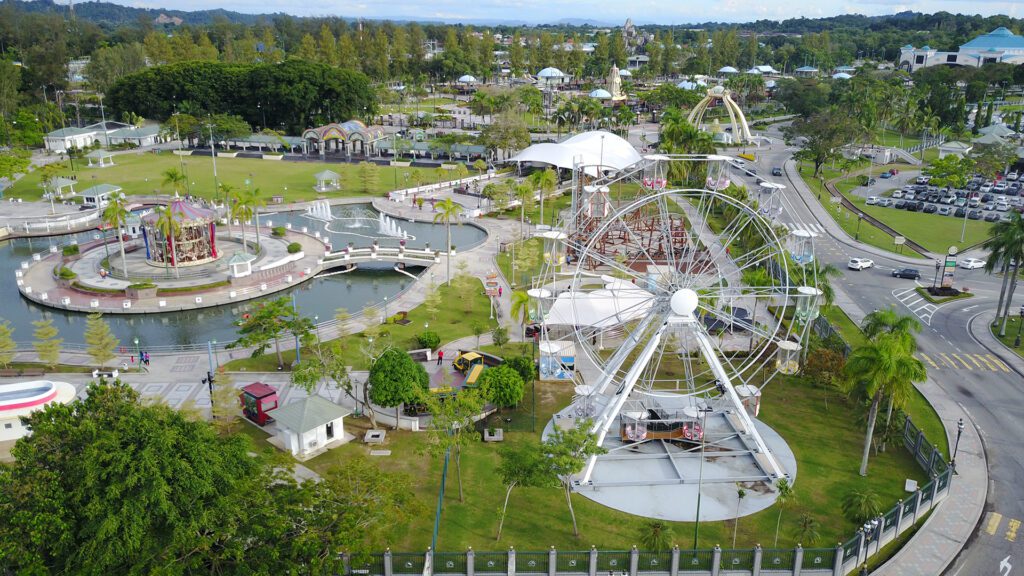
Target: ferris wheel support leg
pixel 706 347
pixel 604 421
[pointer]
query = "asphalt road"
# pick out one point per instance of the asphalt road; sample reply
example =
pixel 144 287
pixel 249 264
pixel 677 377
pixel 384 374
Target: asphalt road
pixel 989 389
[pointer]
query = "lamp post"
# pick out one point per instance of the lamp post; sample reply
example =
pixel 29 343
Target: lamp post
pixel 1016 341
pixel 935 280
pixel 298 351
pixel 700 476
pixel 138 354
pixel 956 445
pixel 860 217
pixel 213 155
pixel 316 324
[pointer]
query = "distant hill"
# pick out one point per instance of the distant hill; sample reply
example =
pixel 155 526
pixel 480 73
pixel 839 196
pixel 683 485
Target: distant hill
pixel 105 13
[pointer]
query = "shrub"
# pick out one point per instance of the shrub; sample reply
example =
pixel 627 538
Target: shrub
pixel 66 273
pixel 278 231
pixel 524 366
pixel 428 339
pixel 142 285
pixel 71 250
pixel 294 248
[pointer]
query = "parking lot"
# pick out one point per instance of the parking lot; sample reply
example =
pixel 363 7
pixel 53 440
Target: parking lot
pixel 981 199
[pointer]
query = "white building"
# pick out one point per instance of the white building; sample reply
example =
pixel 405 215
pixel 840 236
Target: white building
pixel 999 45
pixel 21 399
pixel 137 135
pixel 59 141
pixel 310 426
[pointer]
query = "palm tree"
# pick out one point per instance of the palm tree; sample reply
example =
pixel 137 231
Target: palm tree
pixel 546 181
pixel 447 211
pixel 823 274
pixel 521 308
pixel 785 493
pixel 242 210
pixel 656 535
pixel 480 166
pixel 116 216
pixel 888 321
pixel 174 178
pixel 1006 249
pixel 254 199
pixel 807 529
pixel 230 197
pixel 861 505
pixel 740 495
pixel 170 228
pixel 885 365
pixel 678 136
pixel 525 195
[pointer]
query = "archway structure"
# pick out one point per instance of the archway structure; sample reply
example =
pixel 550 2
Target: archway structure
pixel 738 121
pixel 352 136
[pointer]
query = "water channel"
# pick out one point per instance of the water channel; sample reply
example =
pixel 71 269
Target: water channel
pixel 322 296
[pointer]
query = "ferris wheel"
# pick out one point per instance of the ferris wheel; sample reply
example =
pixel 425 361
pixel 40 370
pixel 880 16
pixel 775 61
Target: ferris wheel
pixel 679 306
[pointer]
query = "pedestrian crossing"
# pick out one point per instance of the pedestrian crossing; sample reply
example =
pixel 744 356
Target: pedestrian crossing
pixel 808 226
pixel 993 524
pixel 916 303
pixel 963 361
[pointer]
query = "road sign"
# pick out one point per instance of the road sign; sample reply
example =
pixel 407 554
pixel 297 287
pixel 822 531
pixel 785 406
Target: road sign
pixel 899 240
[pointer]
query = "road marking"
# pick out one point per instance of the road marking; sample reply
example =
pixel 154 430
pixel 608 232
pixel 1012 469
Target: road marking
pixel 966 365
pixel 929 360
pixel 969 308
pixel 990 365
pixel 994 519
pixel 948 360
pixel 1011 530
pixel 971 358
pixel 998 363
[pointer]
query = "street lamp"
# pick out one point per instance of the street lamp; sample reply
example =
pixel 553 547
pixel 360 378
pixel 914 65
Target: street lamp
pixel 935 280
pixel 138 354
pixel 956 446
pixel 860 217
pixel 1016 342
pixel 316 324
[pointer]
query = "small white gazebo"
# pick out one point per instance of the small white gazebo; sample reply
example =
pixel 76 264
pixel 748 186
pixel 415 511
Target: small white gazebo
pixel 59 183
pixel 103 158
pixel 310 426
pixel 241 265
pixel 327 180
pixel 467 79
pixel 601 94
pixel 728 70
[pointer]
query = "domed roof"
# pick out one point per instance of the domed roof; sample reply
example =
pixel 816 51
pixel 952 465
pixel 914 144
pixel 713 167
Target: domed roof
pixel 550 72
pixel 727 70
pixel 601 94
pixel 590 149
pixel 841 76
pixel 183 212
pixel 468 79
pixel 687 85
pixel 625 73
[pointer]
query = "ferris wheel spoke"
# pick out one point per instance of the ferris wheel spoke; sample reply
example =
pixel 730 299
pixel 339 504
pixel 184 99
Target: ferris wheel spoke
pixel 748 323
pixel 668 240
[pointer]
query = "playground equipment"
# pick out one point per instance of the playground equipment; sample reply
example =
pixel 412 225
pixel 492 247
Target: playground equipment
pixel 257 400
pixel 465 362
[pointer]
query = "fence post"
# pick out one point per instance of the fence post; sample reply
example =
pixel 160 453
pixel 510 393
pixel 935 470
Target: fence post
pixel 673 569
pixel 428 562
pixel 716 560
pixel 470 562
pixel 634 561
pixel 552 561
pixel 593 561
pixel 935 490
pixel 758 555
pixel 862 548
pixel 838 560
pixel 899 519
pixel 917 504
pixel 935 458
pixel 917 445
pixel 798 559
pixel 511 568
pixel 388 570
pixel 346 562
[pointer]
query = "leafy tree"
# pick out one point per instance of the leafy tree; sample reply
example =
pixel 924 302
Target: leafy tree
pixel 861 505
pixel 428 339
pixel 951 170
pixel 266 323
pixel 101 341
pixel 452 425
pixel 478 331
pixel 525 465
pixel 47 344
pixel 990 159
pixel 500 336
pixel 369 176
pixel 116 215
pixel 824 135
pixel 505 133
pixel 432 300
pixel 1006 250
pixel 448 210
pixel 14 162
pixel 502 386
pixel 807 529
pixel 655 535
pixel 785 493
pixel 7 345
pixel 224 404
pixel 521 307
pixel 395 379
pixel 111 63
pixel 480 166
pixel 883 366
pixel 567 451
pixel 524 366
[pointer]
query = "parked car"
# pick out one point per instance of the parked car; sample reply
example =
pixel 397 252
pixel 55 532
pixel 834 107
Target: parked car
pixel 961 202
pixel 971 263
pixel 960 212
pixel 1002 206
pixel 872 200
pixel 885 175
pixel 991 217
pixel 989 206
pixel 885 202
pixel 944 210
pixel 985 187
pixel 922 180
pixel 973 203
pixel 776 171
pixel 1012 176
pixel 910 195
pixel 949 199
pixel 974 215
pixel 908 273
pixel 898 194
pixel 899 204
pixel 986 197
pixel 914 206
pixel 1000 186
pixel 930 209
pixel 859 263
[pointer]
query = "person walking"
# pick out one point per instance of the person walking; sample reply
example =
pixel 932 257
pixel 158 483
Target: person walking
pixel 500 290
pixel 440 357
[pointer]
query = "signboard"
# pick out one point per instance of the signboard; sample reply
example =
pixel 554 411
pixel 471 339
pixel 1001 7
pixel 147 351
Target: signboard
pixel 899 240
pixel 948 270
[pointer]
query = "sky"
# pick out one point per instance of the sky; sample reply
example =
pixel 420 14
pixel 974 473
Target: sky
pixel 605 11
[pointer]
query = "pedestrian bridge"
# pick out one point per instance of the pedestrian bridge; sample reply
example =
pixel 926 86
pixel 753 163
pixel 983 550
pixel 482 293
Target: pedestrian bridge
pixel 350 257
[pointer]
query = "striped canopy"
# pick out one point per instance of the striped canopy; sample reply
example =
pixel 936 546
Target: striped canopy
pixel 184 212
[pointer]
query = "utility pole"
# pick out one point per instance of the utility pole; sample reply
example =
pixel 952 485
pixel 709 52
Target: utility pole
pixel 213 155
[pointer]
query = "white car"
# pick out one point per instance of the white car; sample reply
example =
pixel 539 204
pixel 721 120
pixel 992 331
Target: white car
pixel 971 263
pixel 872 200
pixel 897 194
pixel 859 263
pixel 1012 176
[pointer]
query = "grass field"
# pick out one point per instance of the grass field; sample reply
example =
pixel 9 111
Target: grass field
pixel 455 318
pixel 142 173
pixel 892 138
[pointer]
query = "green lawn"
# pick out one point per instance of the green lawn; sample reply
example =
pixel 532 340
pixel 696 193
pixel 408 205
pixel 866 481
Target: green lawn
pixel 892 138
pixel 534 246
pixel 142 173
pixel 454 319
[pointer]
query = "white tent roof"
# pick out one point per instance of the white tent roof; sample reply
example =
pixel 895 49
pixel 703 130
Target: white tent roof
pixel 754 70
pixel 618 302
pixel 841 76
pixel 625 73
pixel 589 148
pixel 687 85
pixel 468 79
pixel 601 94
pixel 727 70
pixel 550 73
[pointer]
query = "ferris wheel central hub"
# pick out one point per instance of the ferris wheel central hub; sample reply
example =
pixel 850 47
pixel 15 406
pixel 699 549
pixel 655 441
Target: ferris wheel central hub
pixel 684 302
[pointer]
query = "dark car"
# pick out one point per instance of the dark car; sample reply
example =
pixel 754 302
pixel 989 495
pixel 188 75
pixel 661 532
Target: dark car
pixel 913 206
pixel 776 171
pixel 991 217
pixel 986 197
pixel 974 215
pixel 959 212
pixel 934 197
pixel 908 273
pixel 930 209
pixel 532 330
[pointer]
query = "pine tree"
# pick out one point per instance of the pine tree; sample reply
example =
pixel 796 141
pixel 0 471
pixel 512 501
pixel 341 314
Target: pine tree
pixel 101 341
pixel 47 344
pixel 7 345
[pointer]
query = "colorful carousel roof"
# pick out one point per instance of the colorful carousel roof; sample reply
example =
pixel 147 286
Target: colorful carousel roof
pixel 183 212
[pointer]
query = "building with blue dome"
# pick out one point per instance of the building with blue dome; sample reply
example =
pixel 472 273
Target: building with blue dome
pixel 999 45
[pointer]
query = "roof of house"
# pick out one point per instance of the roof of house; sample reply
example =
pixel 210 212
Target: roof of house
pixel 240 258
pixel 806 69
pixel 60 182
pixel 955 145
pixel 998 38
pixel 99 154
pixel 133 132
pixel 326 175
pixel 100 189
pixel 997 129
pixel 259 389
pixel 309 413
pixel 989 139
pixel 68 132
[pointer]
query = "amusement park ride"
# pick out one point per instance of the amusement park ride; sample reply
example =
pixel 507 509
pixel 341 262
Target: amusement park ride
pixel 679 305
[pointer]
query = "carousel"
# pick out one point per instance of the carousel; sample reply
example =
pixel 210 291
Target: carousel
pixel 192 244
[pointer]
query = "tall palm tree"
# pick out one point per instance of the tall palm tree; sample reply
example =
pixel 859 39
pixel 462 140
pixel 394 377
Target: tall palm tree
pixel 116 216
pixel 885 365
pixel 255 199
pixel 822 276
pixel 546 181
pixel 785 493
pixel 1006 250
pixel 170 228
pixel 174 178
pixel 242 209
pixel 521 308
pixel 678 136
pixel 888 321
pixel 447 210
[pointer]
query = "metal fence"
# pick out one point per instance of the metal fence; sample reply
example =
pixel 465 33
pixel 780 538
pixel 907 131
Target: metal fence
pixel 843 559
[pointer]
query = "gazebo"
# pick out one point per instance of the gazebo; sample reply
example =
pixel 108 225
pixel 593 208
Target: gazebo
pixel 467 79
pixel 601 94
pixel 240 265
pixel 103 158
pixel 327 180
pixel 310 426
pixel 194 242
pixel 59 183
